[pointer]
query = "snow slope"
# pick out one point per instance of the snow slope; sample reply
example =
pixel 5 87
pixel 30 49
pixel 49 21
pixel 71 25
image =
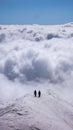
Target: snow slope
pixel 30 113
pixel 36 57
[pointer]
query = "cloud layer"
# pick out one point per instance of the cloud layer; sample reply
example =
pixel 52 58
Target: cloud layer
pixel 34 53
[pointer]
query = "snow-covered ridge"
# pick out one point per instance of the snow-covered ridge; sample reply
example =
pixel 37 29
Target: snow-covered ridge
pixel 29 113
pixel 37 52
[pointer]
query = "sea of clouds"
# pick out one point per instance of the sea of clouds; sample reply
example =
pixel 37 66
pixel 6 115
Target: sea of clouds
pixel 36 53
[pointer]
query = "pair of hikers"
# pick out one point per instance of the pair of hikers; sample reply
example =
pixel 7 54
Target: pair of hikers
pixel 39 93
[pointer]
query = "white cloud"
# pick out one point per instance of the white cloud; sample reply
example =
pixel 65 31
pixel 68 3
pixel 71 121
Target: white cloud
pixel 23 57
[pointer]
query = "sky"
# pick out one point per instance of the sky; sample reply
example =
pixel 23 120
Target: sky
pixel 36 11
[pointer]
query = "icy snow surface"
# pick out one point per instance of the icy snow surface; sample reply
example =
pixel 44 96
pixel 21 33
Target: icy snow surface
pixel 36 57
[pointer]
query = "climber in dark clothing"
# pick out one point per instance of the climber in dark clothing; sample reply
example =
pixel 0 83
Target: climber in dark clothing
pixel 39 93
pixel 35 93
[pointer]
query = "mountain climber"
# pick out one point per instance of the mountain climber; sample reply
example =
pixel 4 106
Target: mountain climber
pixel 35 93
pixel 39 93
